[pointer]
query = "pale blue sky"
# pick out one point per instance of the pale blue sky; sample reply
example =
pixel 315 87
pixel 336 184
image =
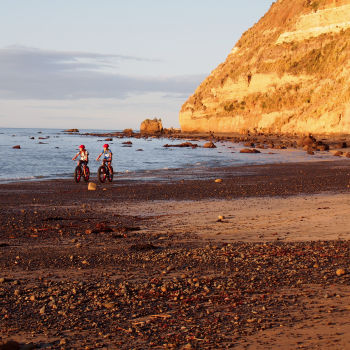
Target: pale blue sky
pixel 110 64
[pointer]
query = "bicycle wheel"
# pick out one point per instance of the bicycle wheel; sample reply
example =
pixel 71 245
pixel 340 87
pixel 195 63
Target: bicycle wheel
pixel 77 174
pixel 110 174
pixel 101 173
pixel 86 174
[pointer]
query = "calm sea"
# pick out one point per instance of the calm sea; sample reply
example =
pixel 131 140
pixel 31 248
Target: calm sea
pixel 47 154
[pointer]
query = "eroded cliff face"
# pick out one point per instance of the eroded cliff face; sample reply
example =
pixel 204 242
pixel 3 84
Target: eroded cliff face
pixel 290 73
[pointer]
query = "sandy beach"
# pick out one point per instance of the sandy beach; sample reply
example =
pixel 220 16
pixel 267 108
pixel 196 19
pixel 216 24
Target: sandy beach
pixel 257 261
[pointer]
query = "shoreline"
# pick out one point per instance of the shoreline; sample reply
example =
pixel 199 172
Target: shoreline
pixel 280 179
pixel 146 264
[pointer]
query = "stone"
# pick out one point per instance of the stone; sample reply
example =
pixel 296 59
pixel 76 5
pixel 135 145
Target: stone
pixel 128 132
pixel 306 141
pixel 322 147
pixel 71 130
pixel 151 126
pixel 16 147
pixel 109 305
pixel 338 153
pixel 92 186
pixel 108 139
pixel 218 180
pixel 340 145
pixel 249 150
pixel 10 345
pixel 209 144
pixel 340 272
pixel 184 144
pixel 63 341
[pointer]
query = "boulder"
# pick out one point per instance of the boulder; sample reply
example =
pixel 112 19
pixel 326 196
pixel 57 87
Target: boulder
pixel 108 139
pixel 16 147
pixel 322 147
pixel 338 153
pixel 340 145
pixel 184 144
pixel 306 141
pixel 128 132
pixel 248 150
pixel 71 130
pixel 151 126
pixel 209 144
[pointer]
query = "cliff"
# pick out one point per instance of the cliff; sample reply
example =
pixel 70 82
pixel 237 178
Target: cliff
pixel 289 73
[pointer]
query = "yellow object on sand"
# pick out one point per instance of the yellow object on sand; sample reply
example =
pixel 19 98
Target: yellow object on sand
pixel 92 186
pixel 218 180
pixel 340 272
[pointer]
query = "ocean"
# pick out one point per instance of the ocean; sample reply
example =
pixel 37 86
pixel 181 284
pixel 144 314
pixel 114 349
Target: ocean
pixel 47 153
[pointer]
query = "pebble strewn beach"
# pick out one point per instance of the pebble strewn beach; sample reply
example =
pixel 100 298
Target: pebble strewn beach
pixel 101 269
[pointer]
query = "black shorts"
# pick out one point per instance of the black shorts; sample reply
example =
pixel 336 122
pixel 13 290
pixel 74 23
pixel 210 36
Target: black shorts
pixel 82 162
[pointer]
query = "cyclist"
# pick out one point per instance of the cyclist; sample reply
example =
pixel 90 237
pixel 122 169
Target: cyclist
pixel 84 157
pixel 107 156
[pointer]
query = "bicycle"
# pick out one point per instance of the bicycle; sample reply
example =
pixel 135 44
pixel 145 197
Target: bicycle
pixel 105 172
pixel 81 170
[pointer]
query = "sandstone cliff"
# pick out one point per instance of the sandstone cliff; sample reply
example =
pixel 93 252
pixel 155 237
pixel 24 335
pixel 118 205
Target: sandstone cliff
pixel 289 73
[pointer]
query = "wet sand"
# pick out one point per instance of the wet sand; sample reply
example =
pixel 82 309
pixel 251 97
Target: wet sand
pixel 149 265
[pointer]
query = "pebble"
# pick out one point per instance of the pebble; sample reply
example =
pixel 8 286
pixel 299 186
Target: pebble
pixel 63 341
pixel 340 272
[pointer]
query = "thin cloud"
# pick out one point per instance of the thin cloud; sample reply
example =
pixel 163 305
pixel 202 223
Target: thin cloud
pixel 27 73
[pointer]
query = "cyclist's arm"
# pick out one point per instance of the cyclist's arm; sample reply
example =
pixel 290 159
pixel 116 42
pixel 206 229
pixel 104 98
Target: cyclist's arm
pixel 75 157
pixel 99 156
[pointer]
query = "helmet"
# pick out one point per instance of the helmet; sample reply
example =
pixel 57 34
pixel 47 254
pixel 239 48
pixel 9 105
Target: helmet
pixel 82 146
pixel 106 145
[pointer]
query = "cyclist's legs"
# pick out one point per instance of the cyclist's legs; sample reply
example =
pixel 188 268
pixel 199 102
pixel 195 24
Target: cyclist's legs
pixel 83 164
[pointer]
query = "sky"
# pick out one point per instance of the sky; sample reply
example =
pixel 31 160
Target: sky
pixel 110 64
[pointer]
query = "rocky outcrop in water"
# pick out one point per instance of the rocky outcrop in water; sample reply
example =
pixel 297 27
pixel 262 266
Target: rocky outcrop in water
pixel 151 126
pixel 289 73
